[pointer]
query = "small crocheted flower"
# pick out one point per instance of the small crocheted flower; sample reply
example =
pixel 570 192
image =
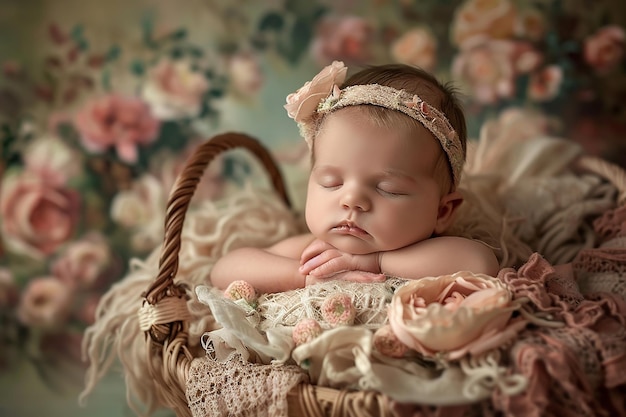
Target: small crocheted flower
pixel 387 343
pixel 305 331
pixel 241 290
pixel 338 310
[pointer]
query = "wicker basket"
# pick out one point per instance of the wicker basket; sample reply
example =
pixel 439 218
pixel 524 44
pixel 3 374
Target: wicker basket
pixel 167 334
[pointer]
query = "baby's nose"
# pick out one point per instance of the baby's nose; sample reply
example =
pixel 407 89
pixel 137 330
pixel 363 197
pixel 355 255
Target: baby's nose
pixel 354 199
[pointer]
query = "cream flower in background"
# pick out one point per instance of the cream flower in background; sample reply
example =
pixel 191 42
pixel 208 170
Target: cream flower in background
pixel 452 315
pixel 495 19
pixel 490 67
pixel 416 47
pixel 246 75
pixel 141 209
pixel 52 159
pixel 174 90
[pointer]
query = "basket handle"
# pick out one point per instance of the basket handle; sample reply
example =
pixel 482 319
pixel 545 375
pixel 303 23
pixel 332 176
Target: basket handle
pixel 180 198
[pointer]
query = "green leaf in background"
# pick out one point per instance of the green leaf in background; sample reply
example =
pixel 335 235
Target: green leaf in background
pixel 137 67
pixel 178 35
pixel 272 21
pixel 147 31
pixel 113 53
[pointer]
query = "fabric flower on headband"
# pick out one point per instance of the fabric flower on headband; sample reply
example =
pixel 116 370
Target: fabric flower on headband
pixel 302 105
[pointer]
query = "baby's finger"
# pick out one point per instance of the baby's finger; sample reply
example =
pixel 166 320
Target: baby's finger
pixel 331 266
pixel 315 248
pixel 319 264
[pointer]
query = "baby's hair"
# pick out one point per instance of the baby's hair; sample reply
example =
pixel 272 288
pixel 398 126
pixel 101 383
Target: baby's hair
pixel 415 80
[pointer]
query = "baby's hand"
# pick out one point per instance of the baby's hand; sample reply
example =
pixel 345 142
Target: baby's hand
pixel 353 276
pixel 322 260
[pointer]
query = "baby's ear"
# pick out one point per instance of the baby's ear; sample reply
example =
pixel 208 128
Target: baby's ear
pixel 447 207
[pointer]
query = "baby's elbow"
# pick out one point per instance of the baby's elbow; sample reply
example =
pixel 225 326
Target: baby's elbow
pixel 488 263
pixel 219 276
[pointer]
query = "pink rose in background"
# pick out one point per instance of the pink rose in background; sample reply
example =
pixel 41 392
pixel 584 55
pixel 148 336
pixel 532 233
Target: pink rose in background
pixel 37 217
pixel 302 104
pixel 174 90
pixel 490 67
pixel 245 74
pixel 113 121
pixel 50 158
pixel 604 50
pixel 544 85
pixel 452 315
pixel 83 262
pixel 45 303
pixel 347 39
pixel 416 47
pixel 496 19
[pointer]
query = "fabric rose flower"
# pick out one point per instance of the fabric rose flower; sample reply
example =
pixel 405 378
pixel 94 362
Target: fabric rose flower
pixel 452 315
pixel 174 90
pixel 116 122
pixel 605 49
pixel 302 104
pixel 37 217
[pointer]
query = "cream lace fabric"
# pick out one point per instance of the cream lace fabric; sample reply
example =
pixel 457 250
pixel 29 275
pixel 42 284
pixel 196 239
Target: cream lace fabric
pixel 237 388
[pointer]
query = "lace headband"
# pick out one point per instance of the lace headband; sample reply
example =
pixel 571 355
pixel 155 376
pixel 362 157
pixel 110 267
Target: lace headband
pixel 322 95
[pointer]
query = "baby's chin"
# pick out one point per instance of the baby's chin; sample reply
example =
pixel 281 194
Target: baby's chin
pixel 353 245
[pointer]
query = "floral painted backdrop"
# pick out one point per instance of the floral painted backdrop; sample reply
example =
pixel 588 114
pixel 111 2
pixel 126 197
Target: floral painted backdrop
pixel 98 113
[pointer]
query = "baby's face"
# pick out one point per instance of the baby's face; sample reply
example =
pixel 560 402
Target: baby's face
pixel 371 189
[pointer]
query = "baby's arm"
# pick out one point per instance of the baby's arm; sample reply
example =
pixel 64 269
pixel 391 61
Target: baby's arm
pixel 272 269
pixel 440 256
pixel 431 257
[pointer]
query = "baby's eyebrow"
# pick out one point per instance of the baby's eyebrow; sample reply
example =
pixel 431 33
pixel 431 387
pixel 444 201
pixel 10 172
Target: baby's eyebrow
pixel 394 173
pixel 325 168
